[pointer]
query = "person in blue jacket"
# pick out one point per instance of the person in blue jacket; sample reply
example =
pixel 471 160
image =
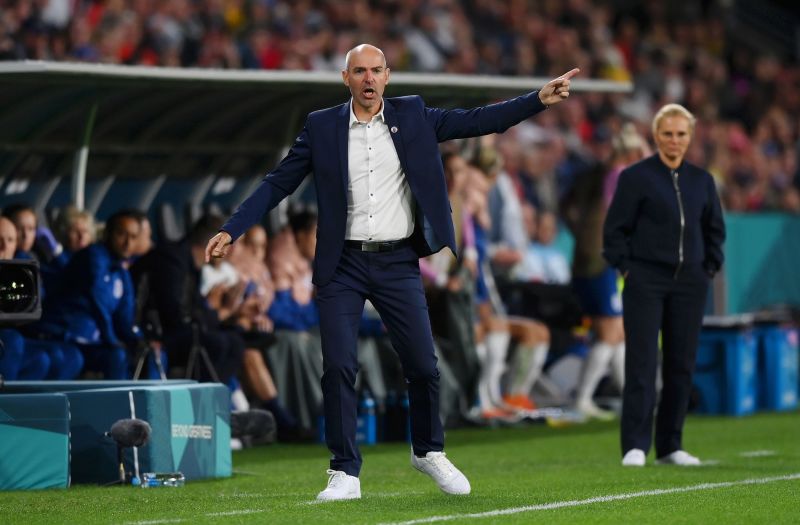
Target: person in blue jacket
pixel 95 304
pixel 40 359
pixel 382 204
pixel 17 360
pixel 664 233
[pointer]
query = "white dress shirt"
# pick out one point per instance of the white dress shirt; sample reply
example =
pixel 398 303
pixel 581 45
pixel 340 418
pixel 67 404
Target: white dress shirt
pixel 379 200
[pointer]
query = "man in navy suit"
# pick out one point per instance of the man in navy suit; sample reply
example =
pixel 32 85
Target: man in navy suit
pixel 382 205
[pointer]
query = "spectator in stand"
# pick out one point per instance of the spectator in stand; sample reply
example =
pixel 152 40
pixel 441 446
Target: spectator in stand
pixel 249 259
pixel 542 262
pixel 224 291
pixel 703 64
pixel 294 307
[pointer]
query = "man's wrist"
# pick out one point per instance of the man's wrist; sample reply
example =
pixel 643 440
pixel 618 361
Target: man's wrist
pixel 542 102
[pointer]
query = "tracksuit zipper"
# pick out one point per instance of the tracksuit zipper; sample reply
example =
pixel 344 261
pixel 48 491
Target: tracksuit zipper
pixel 674 175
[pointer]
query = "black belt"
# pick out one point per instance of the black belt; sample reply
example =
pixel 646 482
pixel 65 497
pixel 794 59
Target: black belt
pixel 377 246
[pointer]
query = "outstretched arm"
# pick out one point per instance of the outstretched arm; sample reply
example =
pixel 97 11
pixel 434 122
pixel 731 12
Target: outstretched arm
pixel 278 184
pixel 497 118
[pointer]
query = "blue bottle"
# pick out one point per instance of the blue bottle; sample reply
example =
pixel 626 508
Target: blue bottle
pixel 162 479
pixel 367 432
pixel 404 410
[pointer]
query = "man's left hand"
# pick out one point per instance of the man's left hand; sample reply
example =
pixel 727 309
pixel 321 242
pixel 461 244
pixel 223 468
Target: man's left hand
pixel 557 89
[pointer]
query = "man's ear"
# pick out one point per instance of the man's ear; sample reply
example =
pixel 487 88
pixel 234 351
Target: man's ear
pixel 345 78
pixel 387 75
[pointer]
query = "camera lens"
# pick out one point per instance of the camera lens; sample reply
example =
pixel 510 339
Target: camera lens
pixel 17 289
pixel 19 292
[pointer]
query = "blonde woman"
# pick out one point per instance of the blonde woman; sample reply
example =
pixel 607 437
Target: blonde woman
pixel 664 233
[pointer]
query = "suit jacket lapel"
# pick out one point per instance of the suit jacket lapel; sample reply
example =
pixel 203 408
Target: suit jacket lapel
pixel 395 132
pixel 342 136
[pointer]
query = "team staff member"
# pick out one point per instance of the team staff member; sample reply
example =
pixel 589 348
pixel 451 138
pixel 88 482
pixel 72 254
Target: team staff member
pixel 664 233
pixel 382 204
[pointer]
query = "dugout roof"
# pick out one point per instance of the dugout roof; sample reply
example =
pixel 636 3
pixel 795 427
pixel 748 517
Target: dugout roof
pixel 147 121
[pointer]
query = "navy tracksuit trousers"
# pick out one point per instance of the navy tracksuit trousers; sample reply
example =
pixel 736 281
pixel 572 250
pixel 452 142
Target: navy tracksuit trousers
pixel 656 299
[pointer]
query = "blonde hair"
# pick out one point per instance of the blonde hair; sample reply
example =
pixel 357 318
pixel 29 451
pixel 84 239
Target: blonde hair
pixel 69 216
pixel 673 110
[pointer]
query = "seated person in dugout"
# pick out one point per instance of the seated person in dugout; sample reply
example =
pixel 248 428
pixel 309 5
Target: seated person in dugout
pixel 188 321
pixel 17 361
pixel 94 306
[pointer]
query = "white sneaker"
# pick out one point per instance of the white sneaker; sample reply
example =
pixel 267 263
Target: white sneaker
pixel 679 457
pixel 633 458
pixel 340 486
pixel 443 472
pixel 590 410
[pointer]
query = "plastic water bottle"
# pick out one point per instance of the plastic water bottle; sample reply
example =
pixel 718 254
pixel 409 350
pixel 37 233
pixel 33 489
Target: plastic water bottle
pixel 367 421
pixel 162 479
pixel 404 405
pixel 396 420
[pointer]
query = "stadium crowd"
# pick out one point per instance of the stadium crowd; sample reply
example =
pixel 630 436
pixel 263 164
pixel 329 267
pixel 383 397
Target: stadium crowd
pixel 499 309
pixel 747 103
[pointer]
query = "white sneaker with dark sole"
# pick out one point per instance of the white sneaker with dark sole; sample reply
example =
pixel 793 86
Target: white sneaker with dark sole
pixel 633 458
pixel 436 465
pixel 341 486
pixel 680 458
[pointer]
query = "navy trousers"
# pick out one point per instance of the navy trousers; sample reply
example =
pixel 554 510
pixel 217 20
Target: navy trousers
pixel 391 281
pixel 654 299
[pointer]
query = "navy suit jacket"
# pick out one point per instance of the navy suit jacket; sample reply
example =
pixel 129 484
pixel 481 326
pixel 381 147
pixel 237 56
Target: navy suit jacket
pixel 416 130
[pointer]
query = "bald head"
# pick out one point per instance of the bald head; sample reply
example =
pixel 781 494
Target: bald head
pixel 363 48
pixel 366 76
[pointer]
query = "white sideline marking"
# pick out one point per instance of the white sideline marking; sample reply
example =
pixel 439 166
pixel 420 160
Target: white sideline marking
pixel 235 512
pixel 398 494
pixel 246 495
pixel 154 522
pixel 758 453
pixel 209 514
pixel 598 499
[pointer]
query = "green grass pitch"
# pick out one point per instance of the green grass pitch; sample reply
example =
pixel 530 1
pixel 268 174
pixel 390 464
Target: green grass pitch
pixel 534 473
